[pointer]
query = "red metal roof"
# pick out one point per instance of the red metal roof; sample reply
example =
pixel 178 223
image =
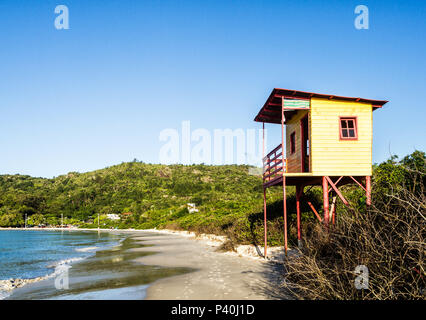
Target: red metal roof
pixel 271 110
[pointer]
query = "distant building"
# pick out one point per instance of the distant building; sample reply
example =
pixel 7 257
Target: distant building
pixel 113 216
pixel 125 215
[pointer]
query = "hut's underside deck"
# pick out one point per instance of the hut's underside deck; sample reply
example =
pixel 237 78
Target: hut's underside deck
pixel 307 179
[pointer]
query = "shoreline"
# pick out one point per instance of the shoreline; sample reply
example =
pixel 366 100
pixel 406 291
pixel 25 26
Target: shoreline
pixel 7 286
pixel 67 229
pixel 168 254
pixel 275 254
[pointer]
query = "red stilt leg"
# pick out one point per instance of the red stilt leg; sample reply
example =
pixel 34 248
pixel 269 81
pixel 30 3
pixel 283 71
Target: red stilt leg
pixel 334 187
pixel 334 216
pixel 283 169
pixel 285 216
pixel 299 233
pixel 368 187
pixel 314 211
pixel 264 217
pixel 325 200
pixel 264 190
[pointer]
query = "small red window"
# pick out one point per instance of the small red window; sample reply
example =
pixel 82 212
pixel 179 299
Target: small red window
pixel 293 143
pixel 348 128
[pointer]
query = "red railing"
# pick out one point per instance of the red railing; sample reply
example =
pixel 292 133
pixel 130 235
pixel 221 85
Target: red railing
pixel 273 164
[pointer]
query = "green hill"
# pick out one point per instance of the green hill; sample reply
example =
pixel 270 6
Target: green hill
pixel 155 195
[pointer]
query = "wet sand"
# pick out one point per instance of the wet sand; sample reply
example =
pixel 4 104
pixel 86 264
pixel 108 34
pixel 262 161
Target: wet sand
pixel 153 265
pixel 112 273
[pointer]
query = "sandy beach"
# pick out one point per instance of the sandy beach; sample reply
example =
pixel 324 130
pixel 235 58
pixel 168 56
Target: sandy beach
pixel 219 275
pixel 207 272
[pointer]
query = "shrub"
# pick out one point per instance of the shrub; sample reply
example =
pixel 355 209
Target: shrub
pixel 388 238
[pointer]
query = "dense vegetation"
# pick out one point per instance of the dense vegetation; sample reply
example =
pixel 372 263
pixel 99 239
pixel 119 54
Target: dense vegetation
pixel 389 239
pixel 229 199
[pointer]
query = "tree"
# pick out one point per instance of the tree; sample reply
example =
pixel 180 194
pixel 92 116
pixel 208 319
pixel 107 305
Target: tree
pixel 36 219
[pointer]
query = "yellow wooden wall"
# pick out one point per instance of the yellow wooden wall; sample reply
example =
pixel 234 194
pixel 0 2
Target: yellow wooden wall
pixel 331 156
pixel 294 162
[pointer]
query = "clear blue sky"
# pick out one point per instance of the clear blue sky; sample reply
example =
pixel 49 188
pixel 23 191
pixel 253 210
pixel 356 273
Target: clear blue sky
pixel 100 93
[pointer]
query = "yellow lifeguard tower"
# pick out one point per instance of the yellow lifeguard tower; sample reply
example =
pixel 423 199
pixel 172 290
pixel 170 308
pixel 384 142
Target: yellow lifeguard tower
pixel 325 140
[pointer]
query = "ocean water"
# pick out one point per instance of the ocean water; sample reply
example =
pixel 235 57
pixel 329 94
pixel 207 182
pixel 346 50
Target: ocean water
pixel 27 254
pixel 102 265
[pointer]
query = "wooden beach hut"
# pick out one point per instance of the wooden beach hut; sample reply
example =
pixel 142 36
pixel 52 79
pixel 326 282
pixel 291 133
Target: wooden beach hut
pixel 326 140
